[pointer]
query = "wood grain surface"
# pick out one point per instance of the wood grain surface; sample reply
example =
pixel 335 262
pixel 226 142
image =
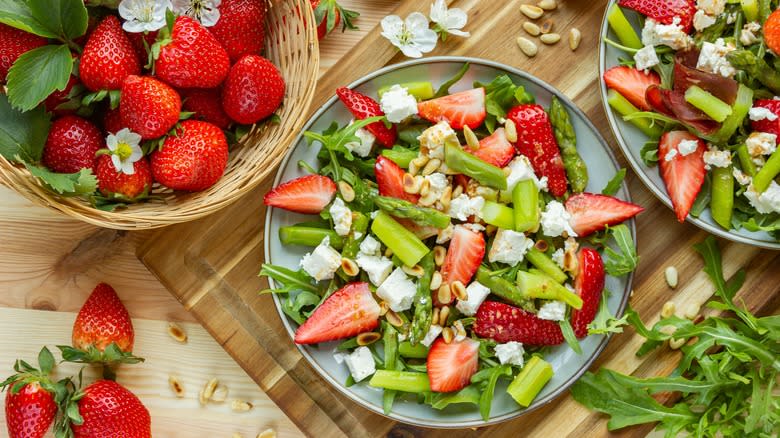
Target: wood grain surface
pixel 211 265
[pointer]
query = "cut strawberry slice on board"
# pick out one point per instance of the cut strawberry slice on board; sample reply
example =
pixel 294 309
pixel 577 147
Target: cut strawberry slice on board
pixel 363 107
pixel 466 108
pixel 535 140
pixel 467 248
pixel 351 310
pixel 683 175
pixel 766 125
pixel 588 285
pixel 503 323
pixel 664 11
pixel 450 366
pixel 390 179
pixel 632 84
pixel 494 149
pixel 591 212
pixel 308 194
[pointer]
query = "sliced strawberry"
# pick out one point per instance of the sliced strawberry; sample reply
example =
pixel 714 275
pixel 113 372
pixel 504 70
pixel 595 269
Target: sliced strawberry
pixel 307 194
pixel 772 31
pixel 591 212
pixel 450 366
pixel 683 175
pixel 363 107
pixel 351 310
pixel 466 108
pixel 535 140
pixel 467 248
pixel 631 84
pixel 503 323
pixel 495 149
pixel 664 11
pixel 589 285
pixel 390 179
pixel 766 125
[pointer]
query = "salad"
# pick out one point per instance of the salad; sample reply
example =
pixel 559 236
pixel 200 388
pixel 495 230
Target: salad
pixel 452 243
pixel 702 82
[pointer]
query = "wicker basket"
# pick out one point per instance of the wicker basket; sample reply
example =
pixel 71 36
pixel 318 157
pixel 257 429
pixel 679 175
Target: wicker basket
pixel 293 47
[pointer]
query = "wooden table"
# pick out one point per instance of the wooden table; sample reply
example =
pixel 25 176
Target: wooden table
pixel 49 264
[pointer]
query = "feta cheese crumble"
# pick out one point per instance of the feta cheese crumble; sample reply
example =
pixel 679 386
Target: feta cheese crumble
pixel 398 104
pixel 432 334
pixel 552 311
pixel 711 7
pixel 557 257
pixel 444 235
pixel 520 169
pixel 463 206
pixel 646 58
pixel 687 147
pixel 377 267
pixel 741 177
pixel 361 148
pixel 749 33
pixel 767 202
pixel 670 155
pixel 360 363
pixel 398 291
pixel 717 158
pixel 475 295
pixel 555 220
pixel 323 262
pixel 702 20
pixel 672 35
pixel 370 246
pixel 509 247
pixel 433 139
pixel 438 183
pixel 342 217
pixel 759 113
pixel 761 143
pixel 712 58
pixel 510 353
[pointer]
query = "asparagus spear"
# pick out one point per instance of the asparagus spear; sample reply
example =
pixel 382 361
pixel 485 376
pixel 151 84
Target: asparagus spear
pixel 423 304
pixel 567 142
pixel 755 67
pixel 422 215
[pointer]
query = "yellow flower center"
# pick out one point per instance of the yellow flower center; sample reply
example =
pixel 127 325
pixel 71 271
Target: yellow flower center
pixel 123 151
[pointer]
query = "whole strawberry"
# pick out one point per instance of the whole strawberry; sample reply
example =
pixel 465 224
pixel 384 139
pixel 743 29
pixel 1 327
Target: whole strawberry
pixel 30 405
pixel 241 27
pixel 193 58
pixel 108 57
pixel 328 14
pixel 72 144
pixel 110 410
pixel 142 42
pixel 112 120
pixel 194 159
pixel 115 184
pixel 149 107
pixel 13 43
pixel 253 90
pixel 206 104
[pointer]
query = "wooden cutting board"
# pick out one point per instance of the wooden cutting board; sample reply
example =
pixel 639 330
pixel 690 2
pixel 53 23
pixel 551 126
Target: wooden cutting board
pixel 211 265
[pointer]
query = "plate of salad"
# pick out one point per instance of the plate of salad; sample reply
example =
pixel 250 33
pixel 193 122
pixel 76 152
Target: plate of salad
pixel 450 242
pixel 691 90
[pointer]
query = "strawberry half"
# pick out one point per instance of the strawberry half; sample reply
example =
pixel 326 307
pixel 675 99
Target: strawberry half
pixel 591 212
pixel 632 84
pixel 349 311
pixel 589 285
pixel 450 366
pixel 664 11
pixel 495 149
pixel 683 175
pixel 363 107
pixel 535 140
pixel 390 179
pixel 766 125
pixel 467 248
pixel 307 194
pixel 466 108
pixel 503 323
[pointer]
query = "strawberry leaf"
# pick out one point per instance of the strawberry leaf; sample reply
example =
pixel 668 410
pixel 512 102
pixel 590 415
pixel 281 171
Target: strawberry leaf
pixel 45 360
pixel 82 182
pixel 37 73
pixel 17 14
pixel 65 18
pixel 22 135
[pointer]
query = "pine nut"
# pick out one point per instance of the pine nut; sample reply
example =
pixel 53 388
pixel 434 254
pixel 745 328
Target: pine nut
pixel 546 27
pixel 532 28
pixel 393 318
pixel 444 294
pixel 547 5
pixel 421 161
pixel 435 316
pixel 550 38
pixel 349 267
pixel 432 166
pixel 446 197
pixel 436 281
pixel 444 314
pixel 411 184
pixel 347 192
pixel 414 271
pixel 413 168
pixel 202 399
pixel 460 331
pixel 668 309
pixel 428 199
pixel 671 276
pixel 527 46
pixel 675 343
pixel 383 308
pixel 220 394
pixel 368 338
pixel 692 311
pixel 447 334
pixel 471 139
pixel 531 11
pixel 177 332
pixel 439 254
pixel 668 330
pixel 388 253
pixel 208 390
pixel 457 191
pixel 541 245
pixel 240 406
pixel 176 387
pixel 575 36
pixel 425 188
pixel 570 262
pixel 510 129
pixel 268 433
pixel 459 290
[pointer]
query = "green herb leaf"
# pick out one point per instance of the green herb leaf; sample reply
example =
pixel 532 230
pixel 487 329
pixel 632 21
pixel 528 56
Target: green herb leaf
pixel 605 322
pixel 614 184
pixel 288 279
pixel 36 74
pixel 470 394
pixel 294 307
pixel 65 18
pixel 444 89
pixel 568 334
pixel 80 183
pixel 22 135
pixel 624 259
pixel 486 399
pixel 500 95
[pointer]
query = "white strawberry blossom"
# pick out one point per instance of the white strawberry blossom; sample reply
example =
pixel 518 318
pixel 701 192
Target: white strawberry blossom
pixel 448 21
pixel 205 11
pixel 412 36
pixel 125 147
pixel 143 15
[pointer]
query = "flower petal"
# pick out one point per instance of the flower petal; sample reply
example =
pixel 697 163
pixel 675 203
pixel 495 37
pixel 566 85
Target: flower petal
pixel 112 142
pixel 459 33
pixel 411 51
pixel 456 19
pixel 416 22
pixel 439 12
pixel 128 168
pixel 117 162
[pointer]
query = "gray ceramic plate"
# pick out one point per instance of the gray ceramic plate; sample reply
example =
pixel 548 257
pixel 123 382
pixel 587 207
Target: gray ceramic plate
pixel 631 140
pixel 568 365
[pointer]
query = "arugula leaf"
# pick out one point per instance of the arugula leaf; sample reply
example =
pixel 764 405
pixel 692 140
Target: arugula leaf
pixel 623 260
pixel 605 322
pixel 333 140
pixel 486 399
pixel 294 307
pixel 288 279
pixel 500 95
pixel 470 394
pixel 703 199
pixel 444 89
pixel 80 183
pixel 37 73
pixel 614 184
pixel 649 153
pixel 22 135
pixel 568 334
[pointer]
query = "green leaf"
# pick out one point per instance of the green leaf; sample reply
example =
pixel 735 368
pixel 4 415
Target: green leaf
pixel 500 95
pixel 444 89
pixel 45 360
pixel 568 334
pixel 65 18
pixel 82 182
pixel 470 394
pixel 623 260
pixel 486 399
pixel 288 279
pixel 605 322
pixel 17 14
pixel 294 306
pixel 22 135
pixel 37 73
pixel 614 184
